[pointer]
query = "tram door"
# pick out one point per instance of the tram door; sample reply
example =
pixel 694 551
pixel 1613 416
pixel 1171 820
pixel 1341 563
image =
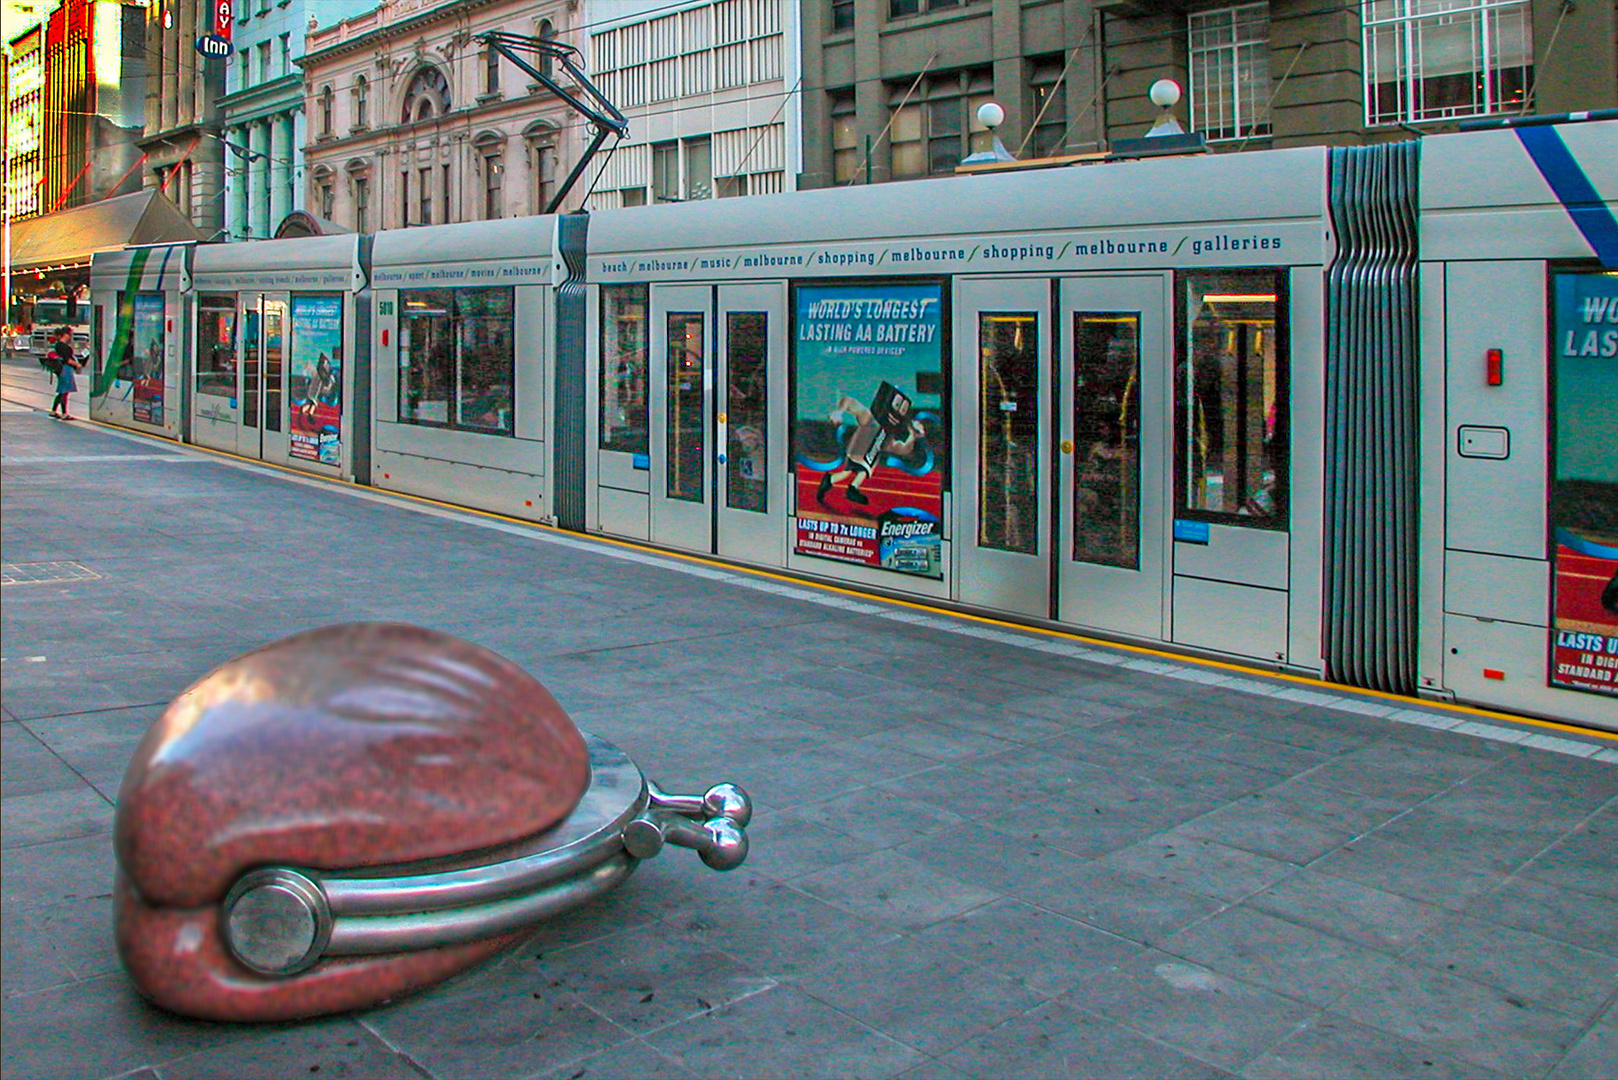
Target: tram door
pixel 1002 408
pixel 752 423
pixel 1112 437
pixel 263 377
pixel 1061 461
pixel 718 442
pixel 681 363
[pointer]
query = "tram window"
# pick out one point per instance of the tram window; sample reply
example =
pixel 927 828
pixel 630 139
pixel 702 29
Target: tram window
pixel 275 314
pixel 457 358
pixel 624 422
pixel 1008 431
pixel 1230 399
pixel 250 365
pixel 747 445
pixel 1106 432
pixel 216 345
pixel 685 406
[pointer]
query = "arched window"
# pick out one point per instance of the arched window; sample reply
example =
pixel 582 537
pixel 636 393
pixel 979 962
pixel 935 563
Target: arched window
pixel 326 96
pixel 540 137
pixel 325 184
pixel 426 97
pixel 490 148
pixel 491 70
pixel 359 186
pixel 547 32
pixel 362 91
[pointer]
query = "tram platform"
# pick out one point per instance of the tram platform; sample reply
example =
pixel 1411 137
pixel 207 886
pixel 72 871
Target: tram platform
pixel 978 850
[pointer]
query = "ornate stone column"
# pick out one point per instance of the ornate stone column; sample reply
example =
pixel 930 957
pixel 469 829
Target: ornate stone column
pixel 258 205
pixel 236 167
pixel 280 170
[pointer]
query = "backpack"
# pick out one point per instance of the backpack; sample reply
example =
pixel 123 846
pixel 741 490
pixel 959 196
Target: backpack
pixel 51 362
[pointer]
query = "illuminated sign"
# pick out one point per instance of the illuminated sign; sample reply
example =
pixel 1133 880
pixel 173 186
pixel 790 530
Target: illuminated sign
pixel 222 19
pixel 214 45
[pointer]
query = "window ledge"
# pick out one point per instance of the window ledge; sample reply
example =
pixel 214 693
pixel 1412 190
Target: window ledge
pixel 489 98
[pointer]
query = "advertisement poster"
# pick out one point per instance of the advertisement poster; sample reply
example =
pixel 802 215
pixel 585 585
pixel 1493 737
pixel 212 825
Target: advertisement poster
pixel 1584 488
pixel 144 363
pixel 868 425
pixel 316 378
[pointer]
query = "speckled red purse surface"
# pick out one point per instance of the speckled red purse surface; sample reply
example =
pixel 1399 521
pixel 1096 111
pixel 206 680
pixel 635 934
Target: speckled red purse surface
pixel 336 749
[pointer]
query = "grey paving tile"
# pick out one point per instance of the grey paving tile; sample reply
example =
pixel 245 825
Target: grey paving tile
pixel 1059 1042
pixel 630 1060
pixel 1465 1019
pixel 54 815
pixel 1268 951
pixel 642 979
pixel 1578 918
pixel 97 745
pixel 45 1034
pixel 27 766
pixel 42 875
pixel 1213 1017
pixel 1121 902
pixel 321 1048
pixel 1431 875
pixel 786 846
pixel 1332 733
pixel 1265 754
pixel 1520 963
pixel 1336 1048
pixel 1051 953
pixel 1503 845
pixel 978 853
pixel 1201 866
pixel 919 992
pixel 1378 780
pixel 777 930
pixel 1265 832
pixel 1305 797
pixel 782 1033
pixel 514 1029
pixel 1592 1056
pixel 1587 860
pixel 894 890
pixel 1347 909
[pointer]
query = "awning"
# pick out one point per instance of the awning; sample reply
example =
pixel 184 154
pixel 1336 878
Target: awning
pixel 68 238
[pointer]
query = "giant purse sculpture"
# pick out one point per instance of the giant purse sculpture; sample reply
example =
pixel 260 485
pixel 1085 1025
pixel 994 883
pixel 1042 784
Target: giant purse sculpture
pixel 359 811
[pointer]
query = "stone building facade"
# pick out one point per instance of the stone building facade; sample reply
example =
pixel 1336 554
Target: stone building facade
pixel 262 111
pixel 891 87
pixel 711 92
pixel 182 140
pixel 410 121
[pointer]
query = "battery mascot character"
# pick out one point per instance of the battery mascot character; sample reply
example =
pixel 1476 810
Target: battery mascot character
pixel 887 427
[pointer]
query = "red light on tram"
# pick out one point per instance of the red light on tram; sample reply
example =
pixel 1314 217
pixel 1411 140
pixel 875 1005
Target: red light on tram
pixel 384 337
pixel 1494 673
pixel 1495 363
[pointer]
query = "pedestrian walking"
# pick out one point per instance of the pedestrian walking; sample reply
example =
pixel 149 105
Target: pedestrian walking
pixel 65 364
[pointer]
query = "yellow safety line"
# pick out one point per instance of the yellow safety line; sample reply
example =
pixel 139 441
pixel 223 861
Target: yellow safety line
pixel 1066 635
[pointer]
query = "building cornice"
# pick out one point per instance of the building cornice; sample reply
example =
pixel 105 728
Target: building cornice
pixel 384 31
pixel 265 99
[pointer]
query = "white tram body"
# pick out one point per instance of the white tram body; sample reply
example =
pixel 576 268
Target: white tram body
pixel 276 372
pixel 1344 412
pixel 138 328
pixel 451 302
pixel 1497 244
pixel 1042 253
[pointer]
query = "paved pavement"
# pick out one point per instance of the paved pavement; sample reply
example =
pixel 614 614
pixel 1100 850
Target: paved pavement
pixel 979 852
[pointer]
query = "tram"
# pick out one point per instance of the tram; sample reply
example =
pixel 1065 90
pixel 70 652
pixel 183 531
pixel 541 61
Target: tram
pixel 1344 412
